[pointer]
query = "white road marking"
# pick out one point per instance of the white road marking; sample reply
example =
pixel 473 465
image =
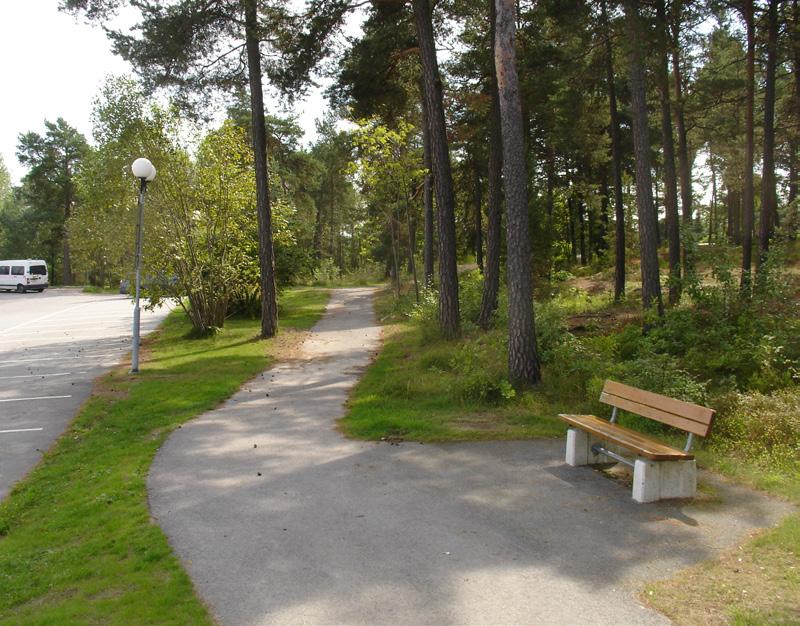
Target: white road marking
pixel 20 430
pixel 38 375
pixel 46 317
pixel 10 362
pixel 34 398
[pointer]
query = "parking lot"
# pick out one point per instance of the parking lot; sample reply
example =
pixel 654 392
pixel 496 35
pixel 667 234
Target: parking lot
pixel 52 346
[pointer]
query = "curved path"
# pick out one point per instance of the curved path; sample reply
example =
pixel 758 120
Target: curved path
pixel 279 520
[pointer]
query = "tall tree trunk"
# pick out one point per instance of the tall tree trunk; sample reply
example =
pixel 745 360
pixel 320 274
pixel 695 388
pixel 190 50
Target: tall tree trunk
pixel 318 234
pixel 648 226
pixel 769 200
pixel 573 241
pixel 684 162
pixel 394 229
pixel 411 224
pixel 412 265
pixel 266 255
pixel 477 197
pixel 427 196
pixel 616 162
pixel 713 208
pixel 582 231
pixel 668 145
pixel 550 173
pixel 602 230
pixel 449 321
pixel 749 150
pixel 523 358
pixel 491 276
pixel 794 144
pixel 67 267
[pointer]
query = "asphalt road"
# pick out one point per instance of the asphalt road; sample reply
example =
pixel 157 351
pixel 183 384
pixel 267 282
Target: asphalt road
pixel 52 346
pixel 280 520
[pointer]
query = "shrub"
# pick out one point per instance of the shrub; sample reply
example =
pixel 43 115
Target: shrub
pixel 764 428
pixel 470 294
pixel 480 367
pixel 325 273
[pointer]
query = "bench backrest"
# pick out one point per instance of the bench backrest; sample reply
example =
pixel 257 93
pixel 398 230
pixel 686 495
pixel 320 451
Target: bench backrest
pixel 689 417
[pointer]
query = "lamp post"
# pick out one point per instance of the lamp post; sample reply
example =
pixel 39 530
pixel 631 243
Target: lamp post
pixel 145 172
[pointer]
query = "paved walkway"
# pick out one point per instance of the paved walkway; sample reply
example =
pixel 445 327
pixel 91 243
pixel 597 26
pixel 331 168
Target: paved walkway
pixel 342 532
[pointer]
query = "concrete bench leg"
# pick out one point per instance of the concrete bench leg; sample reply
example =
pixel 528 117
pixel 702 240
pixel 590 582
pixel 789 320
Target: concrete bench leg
pixel 579 448
pixel 657 480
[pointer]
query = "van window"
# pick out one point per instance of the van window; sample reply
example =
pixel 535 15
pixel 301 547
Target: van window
pixel 17 270
pixel 4 270
pixel 37 269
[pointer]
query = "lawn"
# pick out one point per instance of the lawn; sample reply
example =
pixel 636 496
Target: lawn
pixel 77 544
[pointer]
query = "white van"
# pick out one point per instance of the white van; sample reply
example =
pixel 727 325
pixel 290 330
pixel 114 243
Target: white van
pixel 23 275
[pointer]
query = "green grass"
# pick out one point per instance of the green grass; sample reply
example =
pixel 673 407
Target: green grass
pixel 414 391
pixel 77 544
pixel 96 289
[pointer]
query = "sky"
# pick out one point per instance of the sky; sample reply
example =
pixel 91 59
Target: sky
pixel 53 66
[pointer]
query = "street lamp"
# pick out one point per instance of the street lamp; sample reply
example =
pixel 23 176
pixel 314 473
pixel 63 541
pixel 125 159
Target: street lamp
pixel 145 172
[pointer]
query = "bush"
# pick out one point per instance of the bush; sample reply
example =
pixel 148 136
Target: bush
pixel 325 273
pixel 763 428
pixel 480 366
pixel 734 342
pixel 470 295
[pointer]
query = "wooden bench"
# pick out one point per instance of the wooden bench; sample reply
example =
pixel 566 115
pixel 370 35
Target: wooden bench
pixel 659 471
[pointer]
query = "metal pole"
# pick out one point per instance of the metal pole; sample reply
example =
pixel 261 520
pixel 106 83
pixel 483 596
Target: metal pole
pixel 135 346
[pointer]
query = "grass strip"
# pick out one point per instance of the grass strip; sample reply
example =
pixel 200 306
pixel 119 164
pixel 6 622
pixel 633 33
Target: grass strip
pixel 77 545
pixel 414 390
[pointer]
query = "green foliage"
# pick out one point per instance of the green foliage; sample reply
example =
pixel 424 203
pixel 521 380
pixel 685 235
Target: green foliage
pixel 480 367
pixel 326 273
pixel 102 228
pixel 727 339
pixel 764 429
pixel 48 192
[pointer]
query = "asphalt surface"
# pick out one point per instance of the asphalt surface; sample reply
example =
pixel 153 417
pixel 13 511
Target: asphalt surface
pixel 279 520
pixel 52 346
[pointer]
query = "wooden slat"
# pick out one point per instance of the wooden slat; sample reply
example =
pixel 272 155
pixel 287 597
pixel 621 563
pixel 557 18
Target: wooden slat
pixel 627 438
pixel 684 415
pixel 655 414
pixel 694 412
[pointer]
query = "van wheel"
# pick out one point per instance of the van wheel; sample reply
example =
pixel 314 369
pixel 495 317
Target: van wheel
pixel 20 289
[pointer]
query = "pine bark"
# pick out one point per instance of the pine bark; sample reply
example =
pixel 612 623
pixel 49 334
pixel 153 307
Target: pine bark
pixel 449 321
pixel 748 207
pixel 648 226
pixel 266 255
pixel 794 144
pixel 616 162
pixel 668 146
pixel 67 265
pixel 582 232
pixel 427 199
pixel 769 199
pixel 491 275
pixel 523 358
pixel 477 200
pixel 684 162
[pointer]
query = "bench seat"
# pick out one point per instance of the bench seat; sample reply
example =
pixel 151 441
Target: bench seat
pixel 627 438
